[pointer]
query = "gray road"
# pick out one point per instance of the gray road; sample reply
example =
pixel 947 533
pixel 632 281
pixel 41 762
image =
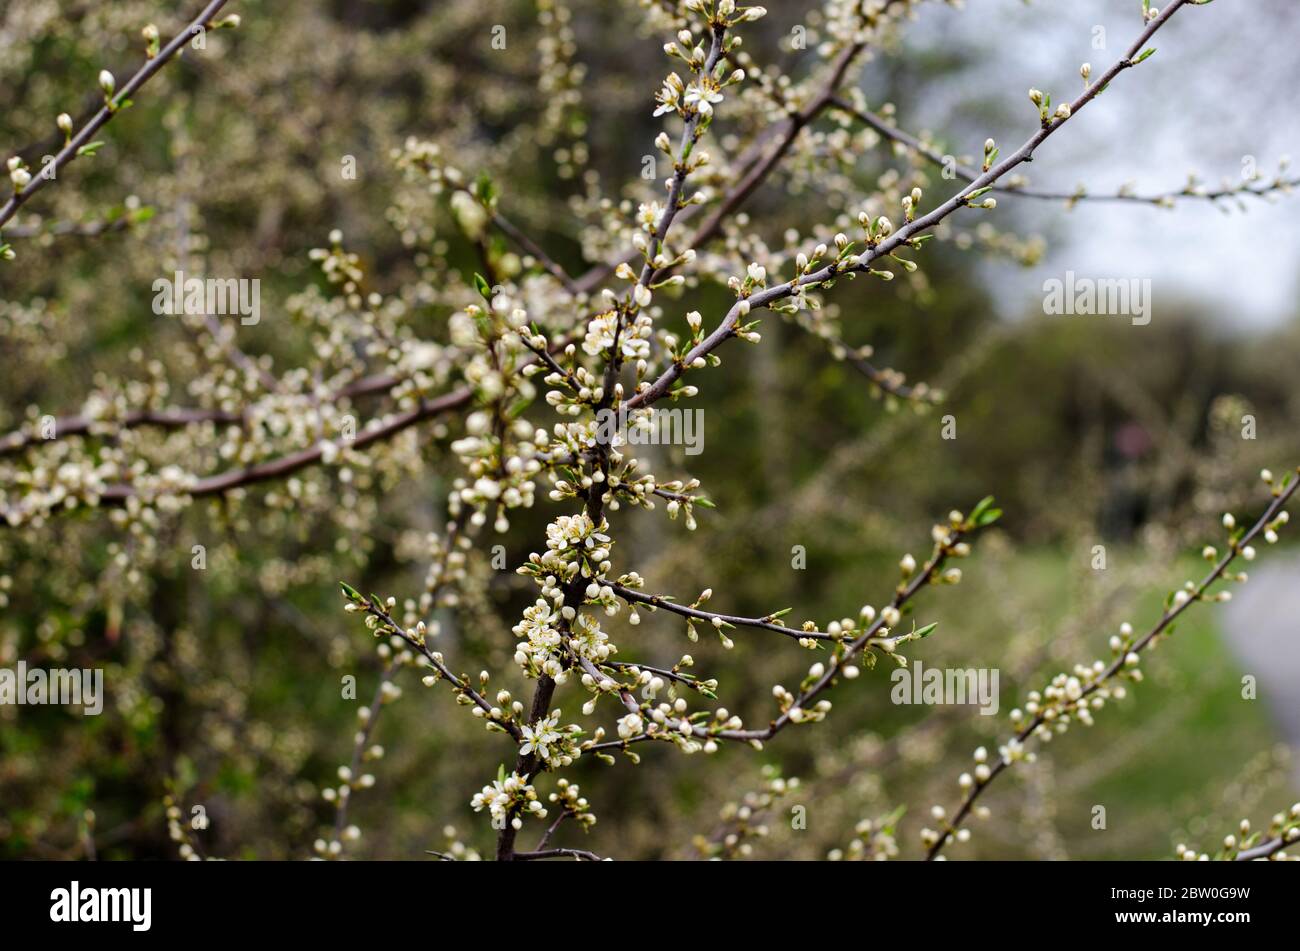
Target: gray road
pixel 1262 627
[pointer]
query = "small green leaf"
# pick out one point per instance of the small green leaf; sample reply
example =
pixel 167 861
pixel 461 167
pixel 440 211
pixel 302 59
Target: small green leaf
pixel 1149 51
pixel 485 190
pixel 90 148
pixel 887 824
pixel 349 592
pixel 484 289
pixel 925 631
pixel 984 513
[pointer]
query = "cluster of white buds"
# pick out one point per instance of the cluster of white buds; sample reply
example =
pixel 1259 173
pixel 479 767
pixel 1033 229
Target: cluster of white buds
pixel 152 40
pixel 1270 843
pixel 911 202
pixel 991 152
pixel 177 831
pixel 574 548
pixel 1044 103
pixel 630 725
pixel 18 174
pixel 568 796
pixel 507 796
pixel 541 650
pixel 725 12
pixel 456 850
pixel 746 821
pixel 873 840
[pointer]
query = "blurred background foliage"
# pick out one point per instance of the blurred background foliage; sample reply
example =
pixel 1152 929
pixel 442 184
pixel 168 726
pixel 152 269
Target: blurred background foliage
pixel 224 684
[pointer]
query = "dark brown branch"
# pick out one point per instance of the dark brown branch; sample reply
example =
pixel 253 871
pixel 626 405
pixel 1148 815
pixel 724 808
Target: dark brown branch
pixel 580 854
pixel 764 623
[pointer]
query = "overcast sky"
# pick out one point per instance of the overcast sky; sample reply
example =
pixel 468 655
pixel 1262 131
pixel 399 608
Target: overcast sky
pixel 1220 87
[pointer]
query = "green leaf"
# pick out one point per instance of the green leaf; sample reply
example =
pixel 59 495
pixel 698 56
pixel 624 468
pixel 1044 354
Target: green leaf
pixel 90 148
pixel 1149 51
pixel 349 592
pixel 925 631
pixel 485 190
pixel 887 824
pixel 484 288
pixel 984 513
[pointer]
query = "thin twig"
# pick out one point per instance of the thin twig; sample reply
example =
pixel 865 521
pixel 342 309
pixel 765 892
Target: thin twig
pixel 101 118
